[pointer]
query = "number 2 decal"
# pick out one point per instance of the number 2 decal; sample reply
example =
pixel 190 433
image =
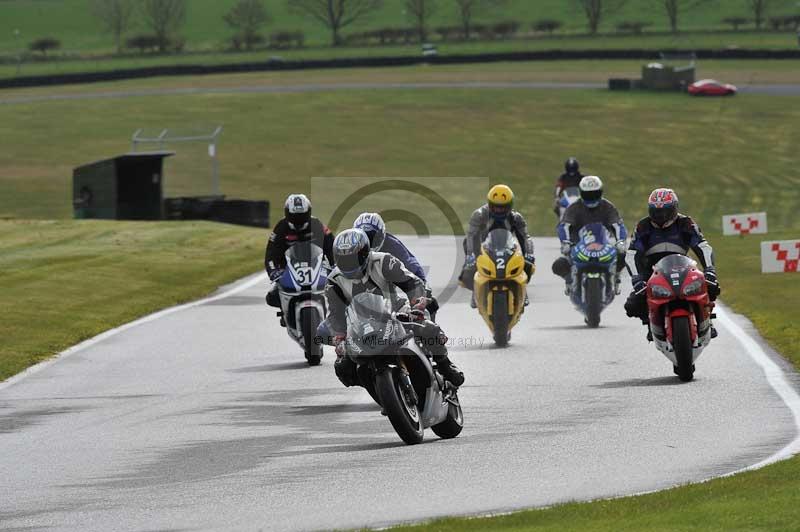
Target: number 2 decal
pixel 501 263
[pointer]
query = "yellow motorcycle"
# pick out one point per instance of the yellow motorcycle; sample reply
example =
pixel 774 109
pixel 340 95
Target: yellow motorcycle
pixel 499 283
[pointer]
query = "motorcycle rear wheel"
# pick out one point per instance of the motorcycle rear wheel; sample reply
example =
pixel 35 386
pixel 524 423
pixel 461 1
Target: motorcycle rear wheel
pixel 682 343
pixel 454 423
pixel 404 416
pixel 594 302
pixel 309 321
pixel 500 319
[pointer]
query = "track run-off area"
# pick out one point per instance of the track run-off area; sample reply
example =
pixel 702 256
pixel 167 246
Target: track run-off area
pixel 205 416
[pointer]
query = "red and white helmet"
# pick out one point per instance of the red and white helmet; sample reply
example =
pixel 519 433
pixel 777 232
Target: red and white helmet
pixel 663 207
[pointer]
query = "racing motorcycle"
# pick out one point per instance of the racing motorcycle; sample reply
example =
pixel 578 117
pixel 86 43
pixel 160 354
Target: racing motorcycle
pixel 680 312
pixel 397 373
pixel 568 196
pixel 499 283
pixel 302 294
pixel 594 260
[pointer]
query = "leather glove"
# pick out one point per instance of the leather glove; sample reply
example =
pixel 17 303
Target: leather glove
pixel 470 261
pixel 530 259
pixel 639 284
pixel 621 247
pixel 274 275
pixel 566 247
pixel 712 284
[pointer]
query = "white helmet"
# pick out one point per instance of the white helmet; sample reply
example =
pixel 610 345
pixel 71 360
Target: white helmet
pixel 591 188
pixel 372 224
pixel 297 211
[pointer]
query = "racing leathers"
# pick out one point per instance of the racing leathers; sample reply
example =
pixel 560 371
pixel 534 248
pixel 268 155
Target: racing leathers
pixel 577 216
pixel 394 246
pixel 283 236
pixel 385 274
pixel 480 224
pixel 652 243
pixel 567 180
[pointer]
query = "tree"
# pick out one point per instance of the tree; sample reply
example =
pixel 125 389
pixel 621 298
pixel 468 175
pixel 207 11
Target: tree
pixel 469 9
pixel 45 44
pixel 335 14
pixel 674 8
pixel 247 17
pixel 759 9
pixel 115 16
pixel 164 17
pixel 420 11
pixel 597 10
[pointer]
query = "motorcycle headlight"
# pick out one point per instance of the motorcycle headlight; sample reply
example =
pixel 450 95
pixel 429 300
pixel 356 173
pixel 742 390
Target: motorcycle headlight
pixel 660 292
pixel 693 288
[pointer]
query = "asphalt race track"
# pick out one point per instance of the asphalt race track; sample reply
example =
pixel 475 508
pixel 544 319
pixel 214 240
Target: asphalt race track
pixel 775 90
pixel 208 418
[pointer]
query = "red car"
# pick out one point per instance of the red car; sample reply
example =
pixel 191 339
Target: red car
pixel 711 87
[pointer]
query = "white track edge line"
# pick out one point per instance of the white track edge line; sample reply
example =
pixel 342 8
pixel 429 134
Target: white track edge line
pixel 239 286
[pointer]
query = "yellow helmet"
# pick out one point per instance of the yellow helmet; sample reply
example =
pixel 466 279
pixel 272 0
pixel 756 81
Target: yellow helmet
pixel 500 200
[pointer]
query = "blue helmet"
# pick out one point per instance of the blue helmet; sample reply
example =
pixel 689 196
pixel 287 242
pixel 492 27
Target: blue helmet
pixel 351 253
pixel 372 224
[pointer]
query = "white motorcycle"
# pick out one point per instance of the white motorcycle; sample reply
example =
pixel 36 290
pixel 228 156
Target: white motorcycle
pixel 568 196
pixel 396 372
pixel 302 295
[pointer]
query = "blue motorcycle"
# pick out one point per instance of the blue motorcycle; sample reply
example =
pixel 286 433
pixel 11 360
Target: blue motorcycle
pixel 594 260
pixel 302 293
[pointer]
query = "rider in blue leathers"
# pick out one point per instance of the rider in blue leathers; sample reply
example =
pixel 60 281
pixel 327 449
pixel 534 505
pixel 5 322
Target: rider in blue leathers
pixel 381 240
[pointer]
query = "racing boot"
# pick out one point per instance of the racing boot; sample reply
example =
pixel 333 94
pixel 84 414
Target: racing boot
pixel 449 371
pixel 714 332
pixel 472 302
pixel 617 284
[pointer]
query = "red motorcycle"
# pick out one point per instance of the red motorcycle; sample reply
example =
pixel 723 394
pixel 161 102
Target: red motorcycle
pixel 680 312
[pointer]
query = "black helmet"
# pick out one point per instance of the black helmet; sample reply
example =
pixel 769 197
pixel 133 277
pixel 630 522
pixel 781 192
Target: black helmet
pixel 351 253
pixel 572 166
pixel 297 211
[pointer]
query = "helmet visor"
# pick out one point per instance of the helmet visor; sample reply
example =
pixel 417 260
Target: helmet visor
pixel 298 220
pixel 663 215
pixel 499 211
pixel 351 265
pixel 591 197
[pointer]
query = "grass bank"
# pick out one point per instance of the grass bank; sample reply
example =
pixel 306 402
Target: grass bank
pixel 71 20
pixel 62 282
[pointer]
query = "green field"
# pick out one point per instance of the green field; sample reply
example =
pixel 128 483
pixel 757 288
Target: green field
pixel 709 150
pixel 70 20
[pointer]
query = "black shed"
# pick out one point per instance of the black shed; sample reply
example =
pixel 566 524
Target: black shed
pixel 126 187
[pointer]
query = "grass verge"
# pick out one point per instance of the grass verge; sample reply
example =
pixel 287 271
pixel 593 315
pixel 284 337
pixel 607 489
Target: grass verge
pixel 65 281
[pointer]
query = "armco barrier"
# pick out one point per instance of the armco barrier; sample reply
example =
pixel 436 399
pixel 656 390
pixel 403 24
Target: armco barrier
pixel 368 62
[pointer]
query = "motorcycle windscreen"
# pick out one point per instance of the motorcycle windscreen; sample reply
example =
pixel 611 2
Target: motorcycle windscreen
pixel 674 264
pixel 501 242
pixel 304 254
pixel 595 233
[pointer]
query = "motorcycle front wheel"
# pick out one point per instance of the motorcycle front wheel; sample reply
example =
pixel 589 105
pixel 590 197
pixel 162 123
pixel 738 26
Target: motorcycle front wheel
pixel 401 409
pixel 309 321
pixel 454 423
pixel 500 318
pixel 594 302
pixel 682 343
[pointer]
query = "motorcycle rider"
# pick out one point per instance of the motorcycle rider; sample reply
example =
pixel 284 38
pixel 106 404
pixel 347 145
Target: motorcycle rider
pixel 359 270
pixel 570 178
pixel 381 240
pixel 297 226
pixel 664 232
pixel 591 208
pixel 497 213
